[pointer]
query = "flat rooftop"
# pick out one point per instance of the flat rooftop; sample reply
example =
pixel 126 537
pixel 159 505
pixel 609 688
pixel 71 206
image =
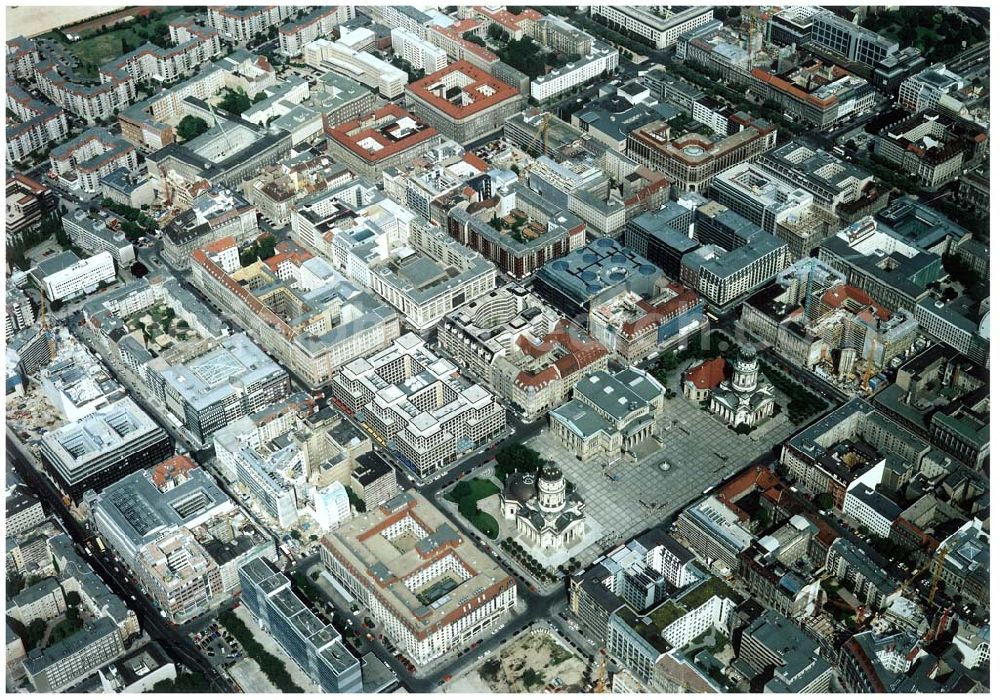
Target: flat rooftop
pixel 390 548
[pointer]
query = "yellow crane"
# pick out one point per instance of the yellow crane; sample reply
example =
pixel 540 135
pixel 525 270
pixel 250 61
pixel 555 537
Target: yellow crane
pixel 542 135
pixel 937 561
pixel 601 674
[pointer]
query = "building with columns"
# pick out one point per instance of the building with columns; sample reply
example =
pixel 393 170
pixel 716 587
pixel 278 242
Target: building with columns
pixel 548 513
pixel 746 398
pixel 609 414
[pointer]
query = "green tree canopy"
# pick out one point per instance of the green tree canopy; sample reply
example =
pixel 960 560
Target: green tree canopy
pixel 191 126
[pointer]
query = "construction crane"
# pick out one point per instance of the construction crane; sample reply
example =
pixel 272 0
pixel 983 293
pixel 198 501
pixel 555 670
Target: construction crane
pixel 542 135
pixel 938 562
pixel 936 575
pixel 601 674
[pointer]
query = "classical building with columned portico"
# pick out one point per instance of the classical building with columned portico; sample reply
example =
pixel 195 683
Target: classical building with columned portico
pixel 547 512
pixel 747 397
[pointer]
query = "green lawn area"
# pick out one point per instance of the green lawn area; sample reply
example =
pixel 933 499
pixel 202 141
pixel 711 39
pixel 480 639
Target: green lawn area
pixel 666 614
pixel 711 587
pixel 486 524
pixel 477 489
pixel 96 51
pixel 467 495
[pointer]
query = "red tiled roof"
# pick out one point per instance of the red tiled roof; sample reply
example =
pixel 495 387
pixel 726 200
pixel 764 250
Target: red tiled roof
pixel 484 90
pixel 170 469
pixel 351 133
pixel 708 375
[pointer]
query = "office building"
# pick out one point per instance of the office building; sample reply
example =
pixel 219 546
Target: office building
pixel 463 102
pixel 520 348
pixel 61 665
pixel 320 322
pixel 388 137
pixel 876 260
pixel 632 328
pixel 713 531
pixel 656 26
pixel 430 276
pixel 345 58
pixel 415 403
pixel 932 147
pixel 210 391
pixel 318 649
pixel 786 211
pixel 929 89
pixel 690 161
pixel 431 589
pixel 783 656
pixel 27 202
pixel 104 446
pixel 373 481
pixel 65 276
pixel 966 562
pixel 832 181
pixel 850 40
pixel 598 271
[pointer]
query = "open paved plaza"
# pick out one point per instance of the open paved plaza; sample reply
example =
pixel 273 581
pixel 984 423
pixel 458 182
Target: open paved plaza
pixel 629 496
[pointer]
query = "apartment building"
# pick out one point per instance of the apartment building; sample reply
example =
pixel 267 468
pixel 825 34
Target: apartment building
pixel 419 53
pixel 519 230
pixel 89 102
pixel 83 161
pixel 240 24
pixel 411 19
pixel 21 56
pixel 37 123
pixel 295 34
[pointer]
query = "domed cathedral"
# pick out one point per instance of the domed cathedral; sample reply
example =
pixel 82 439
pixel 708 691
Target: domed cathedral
pixel 548 514
pixel 747 397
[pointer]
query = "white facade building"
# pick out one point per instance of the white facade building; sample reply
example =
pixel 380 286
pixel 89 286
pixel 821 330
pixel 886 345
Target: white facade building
pixel 81 277
pixel 603 58
pixel 419 53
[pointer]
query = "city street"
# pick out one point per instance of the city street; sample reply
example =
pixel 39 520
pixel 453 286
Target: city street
pixel 177 645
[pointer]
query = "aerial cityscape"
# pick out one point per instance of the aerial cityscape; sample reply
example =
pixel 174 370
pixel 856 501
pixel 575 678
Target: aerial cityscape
pixel 497 349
